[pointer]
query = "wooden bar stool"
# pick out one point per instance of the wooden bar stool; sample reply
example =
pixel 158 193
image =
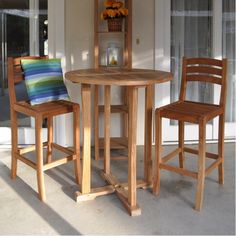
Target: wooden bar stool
pixel 203 70
pixel 40 112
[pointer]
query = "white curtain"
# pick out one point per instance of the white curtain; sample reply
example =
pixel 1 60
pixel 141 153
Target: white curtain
pixel 228 28
pixel 191 36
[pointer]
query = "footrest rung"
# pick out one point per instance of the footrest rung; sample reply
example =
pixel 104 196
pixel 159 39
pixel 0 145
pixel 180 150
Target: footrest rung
pixel 213 166
pixel 58 162
pixel 62 149
pixel 26 161
pixel 179 170
pixel 196 152
pixel 171 155
pixel 29 148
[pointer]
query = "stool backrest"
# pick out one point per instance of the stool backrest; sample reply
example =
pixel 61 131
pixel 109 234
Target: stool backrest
pixel 15 74
pixel 204 70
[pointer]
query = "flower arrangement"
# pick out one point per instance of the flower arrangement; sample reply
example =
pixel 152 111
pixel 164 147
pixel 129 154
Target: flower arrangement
pixel 114 9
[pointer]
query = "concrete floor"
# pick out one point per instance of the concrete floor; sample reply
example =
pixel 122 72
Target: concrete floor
pixel 171 213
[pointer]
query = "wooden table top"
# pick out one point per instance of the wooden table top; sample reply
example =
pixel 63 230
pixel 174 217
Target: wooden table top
pixel 117 76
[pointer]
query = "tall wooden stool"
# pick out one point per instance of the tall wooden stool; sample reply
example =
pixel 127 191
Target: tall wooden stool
pixel 40 112
pixel 203 70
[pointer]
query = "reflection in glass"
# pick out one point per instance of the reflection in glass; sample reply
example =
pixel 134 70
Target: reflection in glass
pixel 228 34
pixel 191 36
pixel 15 41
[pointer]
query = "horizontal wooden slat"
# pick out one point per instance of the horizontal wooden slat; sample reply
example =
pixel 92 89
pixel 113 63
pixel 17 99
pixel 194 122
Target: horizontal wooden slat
pixel 58 162
pixel 202 61
pixel 18 79
pixel 26 161
pixel 213 166
pixel 62 149
pixel 116 157
pixel 204 70
pixel 18 69
pixel 115 108
pixel 17 60
pixel 204 78
pixel 18 75
pixel 179 170
pixel 171 155
pixel 95 192
pixel 29 148
pixel 194 151
pixel 115 143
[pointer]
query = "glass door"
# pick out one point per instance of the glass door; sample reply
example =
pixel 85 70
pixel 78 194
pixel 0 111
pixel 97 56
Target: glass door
pixel 22 32
pixel 195 28
pixel 229 51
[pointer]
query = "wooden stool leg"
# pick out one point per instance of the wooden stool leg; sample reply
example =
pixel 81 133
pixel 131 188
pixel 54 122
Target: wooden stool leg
pixel 76 126
pixel 158 146
pixel 50 139
pixel 181 144
pixel 96 122
pixel 221 148
pixel 201 165
pixel 14 143
pixel 39 157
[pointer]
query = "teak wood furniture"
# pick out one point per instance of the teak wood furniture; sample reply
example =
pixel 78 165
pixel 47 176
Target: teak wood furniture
pixel 132 79
pixel 40 112
pixel 203 70
pixel 102 39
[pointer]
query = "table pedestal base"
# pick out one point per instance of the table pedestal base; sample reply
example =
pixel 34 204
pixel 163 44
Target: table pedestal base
pixel 114 187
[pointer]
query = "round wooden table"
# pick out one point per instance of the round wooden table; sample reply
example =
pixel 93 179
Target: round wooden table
pixel 132 79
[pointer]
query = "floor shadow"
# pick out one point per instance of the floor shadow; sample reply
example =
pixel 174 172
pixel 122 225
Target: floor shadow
pixel 58 223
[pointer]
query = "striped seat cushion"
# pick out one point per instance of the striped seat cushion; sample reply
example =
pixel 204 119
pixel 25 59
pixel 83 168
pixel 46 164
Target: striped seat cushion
pixel 44 80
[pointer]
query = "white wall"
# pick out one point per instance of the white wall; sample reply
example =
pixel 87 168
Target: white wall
pixel 143 50
pixel 79 47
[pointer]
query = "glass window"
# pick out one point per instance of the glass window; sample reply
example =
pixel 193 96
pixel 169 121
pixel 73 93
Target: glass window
pixel 228 45
pixel 15 30
pixel 191 36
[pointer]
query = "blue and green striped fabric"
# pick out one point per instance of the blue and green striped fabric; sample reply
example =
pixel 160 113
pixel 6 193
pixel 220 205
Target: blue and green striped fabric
pixel 44 80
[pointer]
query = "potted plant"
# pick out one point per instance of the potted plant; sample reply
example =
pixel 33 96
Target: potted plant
pixel 114 14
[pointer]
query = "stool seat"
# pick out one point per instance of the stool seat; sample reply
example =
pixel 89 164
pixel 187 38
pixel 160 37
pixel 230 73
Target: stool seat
pixel 45 109
pixel 190 111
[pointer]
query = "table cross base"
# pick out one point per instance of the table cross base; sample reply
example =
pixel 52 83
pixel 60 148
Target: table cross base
pixel 114 187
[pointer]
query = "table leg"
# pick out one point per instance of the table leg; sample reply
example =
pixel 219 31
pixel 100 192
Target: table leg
pixel 86 108
pixel 96 123
pixel 132 130
pixel 107 115
pixel 126 192
pixel 149 92
pixel 86 192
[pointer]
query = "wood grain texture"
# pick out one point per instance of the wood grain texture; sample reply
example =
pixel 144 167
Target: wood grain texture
pixel 205 70
pixel 107 123
pixel 149 94
pixel 132 80
pixel 39 112
pixel 120 77
pixel 132 127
